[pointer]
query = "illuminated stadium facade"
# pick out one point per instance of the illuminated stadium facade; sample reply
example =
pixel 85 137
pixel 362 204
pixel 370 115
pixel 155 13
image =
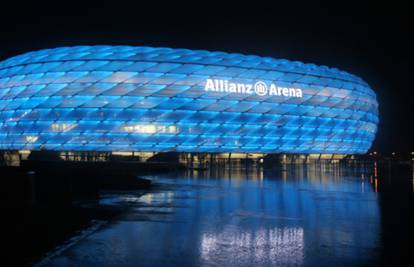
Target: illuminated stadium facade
pixel 122 98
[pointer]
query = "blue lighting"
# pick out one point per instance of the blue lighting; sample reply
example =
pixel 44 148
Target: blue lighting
pixel 122 98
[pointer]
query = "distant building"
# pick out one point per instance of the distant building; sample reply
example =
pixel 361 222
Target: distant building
pixel 144 99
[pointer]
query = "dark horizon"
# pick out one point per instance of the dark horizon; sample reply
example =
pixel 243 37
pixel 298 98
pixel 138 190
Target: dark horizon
pixel 370 41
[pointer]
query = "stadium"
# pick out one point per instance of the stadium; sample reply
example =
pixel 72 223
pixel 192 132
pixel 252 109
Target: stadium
pixel 124 99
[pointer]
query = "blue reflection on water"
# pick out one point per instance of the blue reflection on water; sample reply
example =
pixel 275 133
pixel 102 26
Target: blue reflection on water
pixel 305 216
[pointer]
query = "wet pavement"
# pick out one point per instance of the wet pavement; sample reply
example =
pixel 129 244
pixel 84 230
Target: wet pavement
pixel 305 215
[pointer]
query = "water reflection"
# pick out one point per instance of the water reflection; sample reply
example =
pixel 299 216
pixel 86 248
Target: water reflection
pixel 264 246
pixel 304 215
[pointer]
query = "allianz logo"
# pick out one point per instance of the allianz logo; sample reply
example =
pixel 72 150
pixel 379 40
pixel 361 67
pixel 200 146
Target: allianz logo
pixel 259 88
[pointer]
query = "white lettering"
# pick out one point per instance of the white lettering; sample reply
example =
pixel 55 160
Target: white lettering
pixel 299 93
pixel 285 91
pixel 273 90
pixel 249 88
pixel 258 88
pixel 241 88
pixel 209 85
pixel 292 92
pixel 232 88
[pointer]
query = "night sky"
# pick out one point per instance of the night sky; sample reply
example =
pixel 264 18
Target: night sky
pixel 372 41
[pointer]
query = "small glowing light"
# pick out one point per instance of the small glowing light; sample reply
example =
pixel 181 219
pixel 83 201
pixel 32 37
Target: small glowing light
pixel 150 128
pixel 63 127
pixel 31 138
